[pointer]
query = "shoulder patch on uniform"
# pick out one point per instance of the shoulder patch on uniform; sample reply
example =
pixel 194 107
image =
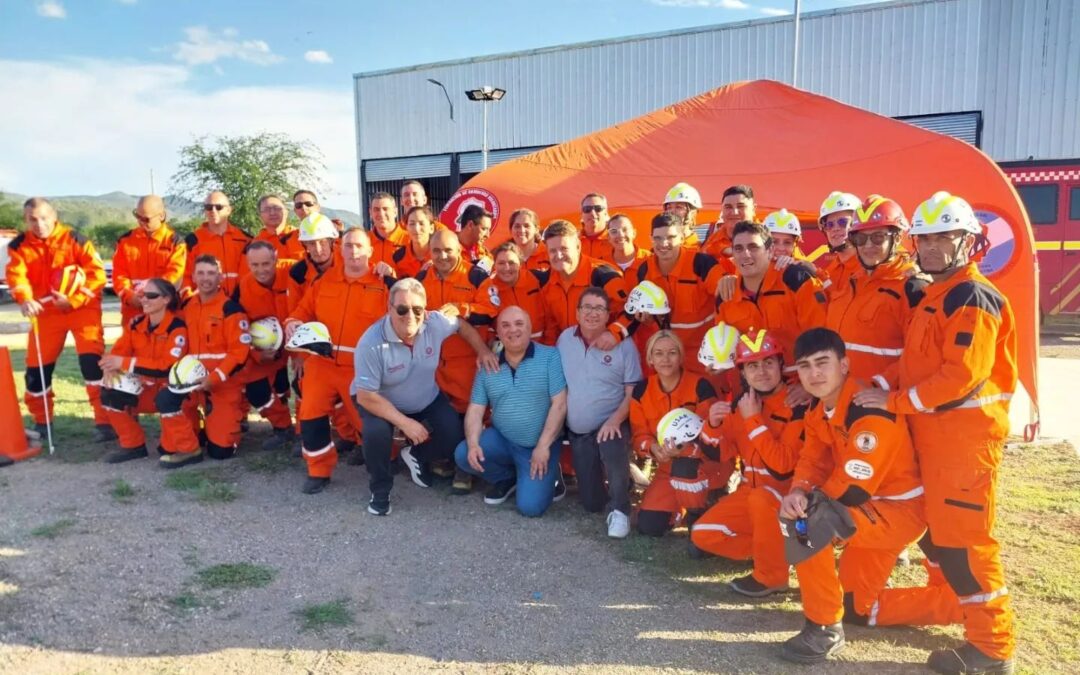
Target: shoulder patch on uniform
pixel 298 272
pixel 795 276
pixel 973 294
pixel 704 389
pixel 915 290
pixel 866 442
pixel 191 240
pixel 703 264
pixel 639 389
pixel 176 323
pixel 857 412
pixel 421 275
pixel 798 412
pixel 602 274
pixel 398 255
pixel 232 307
pixel 477 276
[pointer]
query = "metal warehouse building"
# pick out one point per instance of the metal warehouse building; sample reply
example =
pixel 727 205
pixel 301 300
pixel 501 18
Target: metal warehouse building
pixel 1001 74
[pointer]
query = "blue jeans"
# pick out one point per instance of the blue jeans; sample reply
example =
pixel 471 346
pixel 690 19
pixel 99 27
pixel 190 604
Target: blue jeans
pixel 504 461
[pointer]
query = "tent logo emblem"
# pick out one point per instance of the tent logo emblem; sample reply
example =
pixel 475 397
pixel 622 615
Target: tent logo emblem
pixel 466 197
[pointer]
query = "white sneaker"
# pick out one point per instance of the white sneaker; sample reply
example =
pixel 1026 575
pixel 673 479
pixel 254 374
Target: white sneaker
pixel 618 525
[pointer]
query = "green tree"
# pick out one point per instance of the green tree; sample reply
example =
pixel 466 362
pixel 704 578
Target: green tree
pixel 11 215
pixel 245 168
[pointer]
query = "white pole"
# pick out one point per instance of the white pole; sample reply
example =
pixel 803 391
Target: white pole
pixel 795 49
pixel 484 146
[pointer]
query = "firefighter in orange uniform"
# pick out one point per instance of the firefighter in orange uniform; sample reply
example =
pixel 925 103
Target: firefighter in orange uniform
pixel 57 277
pixel 137 368
pixel 474 228
pixel 264 293
pixel 219 238
pixel 452 286
pixel 594 220
pixel 871 308
pixel 684 201
pixel 863 459
pixel 347 298
pixel 766 435
pixel 525 231
pixel 276 230
pixel 415 254
pixel 837 215
pixel 956 376
pixel 149 250
pixel 785 303
pixel 624 253
pixel 737 206
pixel 386 234
pixel 685 477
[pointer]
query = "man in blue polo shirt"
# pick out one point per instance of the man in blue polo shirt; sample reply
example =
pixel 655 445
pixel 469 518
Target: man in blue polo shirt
pixel 519 452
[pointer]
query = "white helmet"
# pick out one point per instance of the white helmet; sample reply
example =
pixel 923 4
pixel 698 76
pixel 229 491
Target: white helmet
pixel 683 192
pixel 312 337
pixel 266 334
pixel 649 298
pixel 837 202
pixel 129 383
pixel 944 213
pixel 679 426
pixel 717 350
pixel 317 226
pixel 783 222
pixel 186 375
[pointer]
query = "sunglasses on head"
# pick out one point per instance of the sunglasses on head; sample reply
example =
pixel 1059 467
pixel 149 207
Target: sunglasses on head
pixel 595 208
pixel 214 207
pixel 402 310
pixel 876 238
pixel 297 205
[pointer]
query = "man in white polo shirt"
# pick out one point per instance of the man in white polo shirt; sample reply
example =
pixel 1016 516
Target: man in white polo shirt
pixel 599 387
pixel 395 362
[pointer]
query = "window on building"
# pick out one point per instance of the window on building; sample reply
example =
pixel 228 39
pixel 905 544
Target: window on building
pixel 1041 202
pixel 1074 203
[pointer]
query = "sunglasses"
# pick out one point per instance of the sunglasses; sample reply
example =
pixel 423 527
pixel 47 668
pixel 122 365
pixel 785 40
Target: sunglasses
pixel 595 208
pixel 839 223
pixel 877 238
pixel 214 207
pixel 141 218
pixel 297 205
pixel 151 295
pixel 402 310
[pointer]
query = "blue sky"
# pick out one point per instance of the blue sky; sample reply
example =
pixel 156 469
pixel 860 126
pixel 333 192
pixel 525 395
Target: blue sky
pixel 98 92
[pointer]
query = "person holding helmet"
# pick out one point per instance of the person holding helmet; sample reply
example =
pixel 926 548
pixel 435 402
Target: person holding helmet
pixel 57 277
pixel 525 231
pixel 347 299
pixel 276 230
pixel 684 201
pixel 263 293
pixel 688 470
pixel 624 252
pixel 689 280
pixel 594 220
pixel 956 375
pixel 837 215
pixel 512 284
pixel 766 435
pixel 872 309
pixel 861 459
pixel 219 238
pixel 150 249
pixel 137 369
pixel 737 206
pixel 415 255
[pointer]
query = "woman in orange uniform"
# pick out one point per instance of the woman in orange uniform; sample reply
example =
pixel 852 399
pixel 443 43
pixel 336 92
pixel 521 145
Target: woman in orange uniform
pixel 150 344
pixel 415 254
pixel 525 231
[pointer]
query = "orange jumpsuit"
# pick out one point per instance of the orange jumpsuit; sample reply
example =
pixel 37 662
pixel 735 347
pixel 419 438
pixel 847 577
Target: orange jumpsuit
pixel 149 352
pixel 347 307
pixel 539 260
pixel 286 242
pixel 560 296
pixel 690 287
pixel 742 525
pixel 718 244
pixel 863 458
pixel 31 264
pixel 597 247
pixel 141 255
pixel 956 376
pixel 479 256
pixel 834 270
pixel 457 362
pixel 228 248
pixel 405 262
pixel 871 313
pixel 684 483
pixel 265 376
pixel 786 304
pixel 640 255
pixel 383 248
pixel 218 337
pixel 495 295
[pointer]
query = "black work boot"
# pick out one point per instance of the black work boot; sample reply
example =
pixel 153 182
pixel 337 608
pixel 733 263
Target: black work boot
pixel 814 643
pixel 966 659
pixel 851 617
pixel 126 454
pixel 102 433
pixel 314 485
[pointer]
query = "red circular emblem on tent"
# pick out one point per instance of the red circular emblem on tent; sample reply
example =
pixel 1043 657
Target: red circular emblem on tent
pixel 462 199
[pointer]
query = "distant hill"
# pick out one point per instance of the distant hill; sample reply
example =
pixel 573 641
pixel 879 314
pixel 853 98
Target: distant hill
pixel 84 211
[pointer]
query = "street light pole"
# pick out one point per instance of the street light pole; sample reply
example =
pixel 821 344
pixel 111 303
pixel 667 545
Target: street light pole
pixel 795 49
pixel 485 95
pixel 483 147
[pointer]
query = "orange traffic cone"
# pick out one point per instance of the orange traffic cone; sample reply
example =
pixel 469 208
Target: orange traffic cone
pixel 12 445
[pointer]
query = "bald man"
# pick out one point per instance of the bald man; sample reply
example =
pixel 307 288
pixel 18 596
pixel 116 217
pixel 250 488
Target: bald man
pixel 151 249
pixel 218 237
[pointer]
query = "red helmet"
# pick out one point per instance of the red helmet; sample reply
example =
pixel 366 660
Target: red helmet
pixel 67 280
pixel 755 346
pixel 878 211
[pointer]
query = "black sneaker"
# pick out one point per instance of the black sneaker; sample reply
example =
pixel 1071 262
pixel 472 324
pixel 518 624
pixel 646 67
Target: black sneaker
pixel 500 492
pixel 278 438
pixel 102 433
pixel 125 454
pixel 752 588
pixel 344 447
pixel 966 659
pixel 814 643
pixel 560 489
pixel 314 485
pixel 419 471
pixel 379 506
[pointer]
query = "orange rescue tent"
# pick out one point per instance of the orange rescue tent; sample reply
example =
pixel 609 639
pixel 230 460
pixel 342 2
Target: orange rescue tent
pixel 793 147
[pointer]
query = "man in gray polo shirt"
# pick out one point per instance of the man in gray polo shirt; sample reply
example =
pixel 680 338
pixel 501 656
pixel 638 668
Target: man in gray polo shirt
pixel 599 386
pixel 395 362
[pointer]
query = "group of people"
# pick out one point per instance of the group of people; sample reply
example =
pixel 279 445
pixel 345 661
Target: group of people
pixel 773 405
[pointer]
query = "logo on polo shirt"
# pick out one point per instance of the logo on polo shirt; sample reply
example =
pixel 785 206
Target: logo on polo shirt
pixel 429 351
pixel 607 359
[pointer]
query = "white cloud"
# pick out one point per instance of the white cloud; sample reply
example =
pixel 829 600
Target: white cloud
pixel 51 10
pixel 203 46
pixel 773 11
pixel 318 56
pixel 66 138
pixel 721 4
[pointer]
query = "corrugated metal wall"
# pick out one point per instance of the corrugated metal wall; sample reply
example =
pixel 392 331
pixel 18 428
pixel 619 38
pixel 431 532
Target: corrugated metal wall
pixel 1012 60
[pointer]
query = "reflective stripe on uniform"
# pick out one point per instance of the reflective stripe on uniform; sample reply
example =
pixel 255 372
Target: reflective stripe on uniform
pixel 715 527
pixel 915 400
pixel 881 382
pixel 872 619
pixel 696 486
pixel 910 494
pixel 696 324
pixel 209 356
pixel 877 351
pixel 980 402
pixel 347 350
pixel 774 493
pixel 983 598
pixel 754 433
pixel 316 453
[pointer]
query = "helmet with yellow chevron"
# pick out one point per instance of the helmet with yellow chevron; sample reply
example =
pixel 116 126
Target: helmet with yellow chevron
pixel 944 212
pixel 878 211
